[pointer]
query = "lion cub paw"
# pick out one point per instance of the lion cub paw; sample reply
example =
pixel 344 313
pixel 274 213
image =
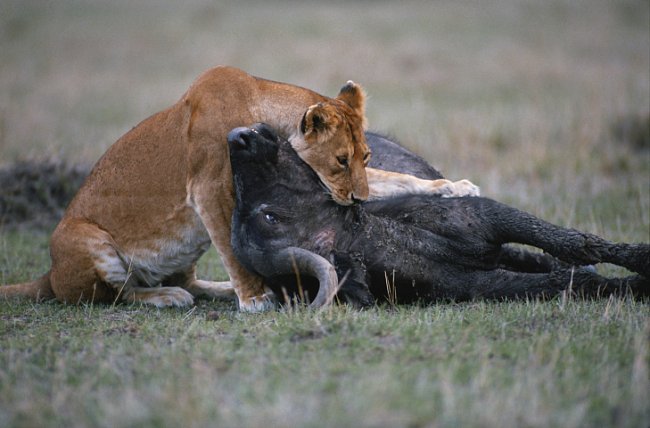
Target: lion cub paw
pixel 265 302
pixel 461 188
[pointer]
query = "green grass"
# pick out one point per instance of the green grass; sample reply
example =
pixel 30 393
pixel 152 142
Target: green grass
pixel 522 97
pixel 564 362
pixel 559 363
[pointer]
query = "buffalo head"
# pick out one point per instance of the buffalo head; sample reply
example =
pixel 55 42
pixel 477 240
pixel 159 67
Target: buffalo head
pixel 272 237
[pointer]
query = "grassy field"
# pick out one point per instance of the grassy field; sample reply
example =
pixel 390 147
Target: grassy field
pixel 561 363
pixel 545 105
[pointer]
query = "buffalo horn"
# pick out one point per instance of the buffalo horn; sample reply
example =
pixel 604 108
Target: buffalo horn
pixel 298 260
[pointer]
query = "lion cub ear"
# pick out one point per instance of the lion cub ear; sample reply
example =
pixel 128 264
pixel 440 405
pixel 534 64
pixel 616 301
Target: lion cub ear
pixel 353 95
pixel 320 120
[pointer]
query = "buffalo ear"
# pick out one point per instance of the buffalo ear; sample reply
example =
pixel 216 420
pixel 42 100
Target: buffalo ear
pixel 353 95
pixel 320 120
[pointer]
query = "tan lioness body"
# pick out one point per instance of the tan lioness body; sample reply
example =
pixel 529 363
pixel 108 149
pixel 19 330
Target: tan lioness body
pixel 162 193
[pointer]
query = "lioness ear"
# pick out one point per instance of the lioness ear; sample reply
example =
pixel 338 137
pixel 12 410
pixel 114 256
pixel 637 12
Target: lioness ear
pixel 320 120
pixel 353 95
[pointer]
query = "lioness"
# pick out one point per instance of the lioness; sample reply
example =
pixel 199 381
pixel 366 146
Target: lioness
pixel 161 194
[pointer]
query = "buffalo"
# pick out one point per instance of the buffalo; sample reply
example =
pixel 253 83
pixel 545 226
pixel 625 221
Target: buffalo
pixel 406 249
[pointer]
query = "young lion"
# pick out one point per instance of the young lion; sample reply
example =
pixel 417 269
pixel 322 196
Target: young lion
pixel 163 193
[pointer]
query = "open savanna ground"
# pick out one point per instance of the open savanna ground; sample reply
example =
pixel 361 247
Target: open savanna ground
pixel 545 105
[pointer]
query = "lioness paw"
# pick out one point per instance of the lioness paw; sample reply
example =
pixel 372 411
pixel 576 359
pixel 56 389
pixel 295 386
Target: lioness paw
pixel 265 302
pixel 161 296
pixel 462 188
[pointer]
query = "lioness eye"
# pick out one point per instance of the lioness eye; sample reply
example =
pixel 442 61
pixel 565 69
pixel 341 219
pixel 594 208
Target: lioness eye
pixel 366 157
pixel 271 218
pixel 343 161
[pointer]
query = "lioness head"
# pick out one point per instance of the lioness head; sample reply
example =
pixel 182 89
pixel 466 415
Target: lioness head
pixel 332 142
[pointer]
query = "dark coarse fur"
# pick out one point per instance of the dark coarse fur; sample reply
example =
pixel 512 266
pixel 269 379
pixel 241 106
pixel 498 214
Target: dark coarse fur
pixel 387 155
pixel 426 248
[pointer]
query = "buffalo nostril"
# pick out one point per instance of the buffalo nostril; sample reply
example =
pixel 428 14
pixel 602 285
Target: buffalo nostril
pixel 240 138
pixel 356 200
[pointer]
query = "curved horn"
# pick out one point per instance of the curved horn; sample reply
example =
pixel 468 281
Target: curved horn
pixel 294 259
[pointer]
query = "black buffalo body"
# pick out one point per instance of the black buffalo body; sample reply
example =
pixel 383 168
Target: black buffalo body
pixel 409 248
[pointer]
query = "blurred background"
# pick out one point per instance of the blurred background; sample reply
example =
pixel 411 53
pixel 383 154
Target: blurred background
pixel 544 104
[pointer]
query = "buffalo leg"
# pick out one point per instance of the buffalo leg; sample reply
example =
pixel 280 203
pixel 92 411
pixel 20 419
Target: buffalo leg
pixel 504 284
pixel 569 245
pixel 524 260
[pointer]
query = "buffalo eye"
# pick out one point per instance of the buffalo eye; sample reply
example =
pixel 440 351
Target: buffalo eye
pixel 342 160
pixel 271 218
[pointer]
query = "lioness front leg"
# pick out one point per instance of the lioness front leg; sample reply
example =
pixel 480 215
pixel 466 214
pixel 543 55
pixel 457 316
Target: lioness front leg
pixel 216 217
pixel 200 288
pixel 384 184
pixel 211 289
pixel 249 288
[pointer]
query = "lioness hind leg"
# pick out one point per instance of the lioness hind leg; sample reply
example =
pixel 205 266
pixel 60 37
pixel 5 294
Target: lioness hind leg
pixel 75 277
pixel 86 267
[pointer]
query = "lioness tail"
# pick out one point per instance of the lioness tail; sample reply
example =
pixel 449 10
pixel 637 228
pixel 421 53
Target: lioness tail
pixel 37 290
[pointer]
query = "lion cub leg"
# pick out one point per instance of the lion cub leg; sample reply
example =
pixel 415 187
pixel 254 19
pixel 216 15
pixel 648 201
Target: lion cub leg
pixel 385 184
pixel 87 267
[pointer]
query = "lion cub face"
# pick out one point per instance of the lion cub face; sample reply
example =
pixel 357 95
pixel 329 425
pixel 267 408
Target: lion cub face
pixel 332 142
